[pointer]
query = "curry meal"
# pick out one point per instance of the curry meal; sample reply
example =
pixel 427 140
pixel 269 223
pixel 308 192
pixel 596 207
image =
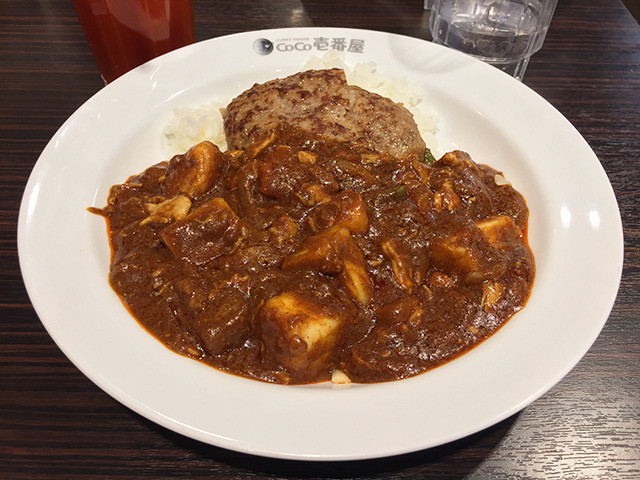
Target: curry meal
pixel 326 242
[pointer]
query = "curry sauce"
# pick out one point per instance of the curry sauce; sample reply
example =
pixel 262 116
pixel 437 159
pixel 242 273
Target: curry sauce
pixel 300 257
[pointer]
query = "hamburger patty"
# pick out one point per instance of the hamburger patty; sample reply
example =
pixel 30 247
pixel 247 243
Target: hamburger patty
pixel 322 103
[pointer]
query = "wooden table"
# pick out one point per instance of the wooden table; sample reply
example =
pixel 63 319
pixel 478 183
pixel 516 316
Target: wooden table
pixel 56 424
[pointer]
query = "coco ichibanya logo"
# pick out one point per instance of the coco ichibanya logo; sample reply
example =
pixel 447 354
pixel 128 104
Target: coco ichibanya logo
pixel 264 46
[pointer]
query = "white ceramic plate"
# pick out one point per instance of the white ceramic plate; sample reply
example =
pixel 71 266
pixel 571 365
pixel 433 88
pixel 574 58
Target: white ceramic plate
pixel 574 230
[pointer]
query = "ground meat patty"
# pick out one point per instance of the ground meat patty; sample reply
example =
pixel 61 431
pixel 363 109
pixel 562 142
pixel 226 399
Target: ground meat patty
pixel 321 102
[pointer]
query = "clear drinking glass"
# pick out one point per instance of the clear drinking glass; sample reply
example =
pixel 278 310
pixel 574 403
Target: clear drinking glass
pixel 504 33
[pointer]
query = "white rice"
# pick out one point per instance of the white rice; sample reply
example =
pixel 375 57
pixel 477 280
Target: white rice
pixel 191 125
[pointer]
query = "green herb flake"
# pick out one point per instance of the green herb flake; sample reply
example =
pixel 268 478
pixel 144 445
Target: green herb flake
pixel 429 159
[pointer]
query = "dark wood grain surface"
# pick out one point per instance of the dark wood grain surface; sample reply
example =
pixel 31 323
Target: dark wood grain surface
pixel 56 424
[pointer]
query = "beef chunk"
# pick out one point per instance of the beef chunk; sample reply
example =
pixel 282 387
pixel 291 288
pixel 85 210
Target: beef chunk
pixel 209 231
